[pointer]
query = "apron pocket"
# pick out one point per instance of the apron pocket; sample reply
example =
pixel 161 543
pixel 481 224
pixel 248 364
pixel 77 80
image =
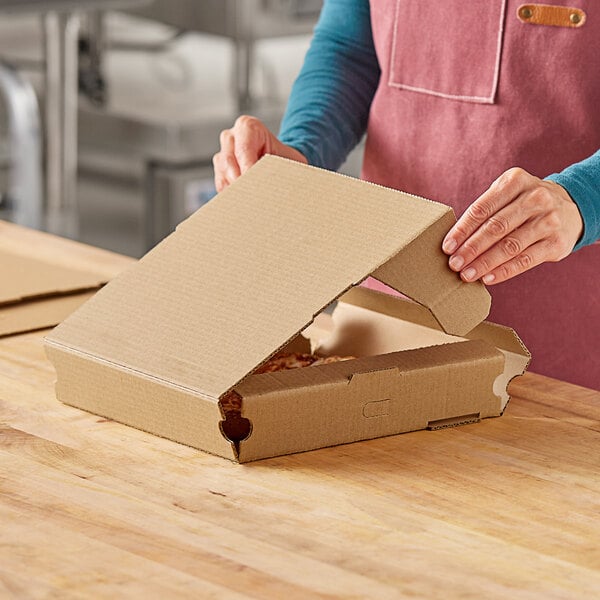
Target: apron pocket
pixel 449 48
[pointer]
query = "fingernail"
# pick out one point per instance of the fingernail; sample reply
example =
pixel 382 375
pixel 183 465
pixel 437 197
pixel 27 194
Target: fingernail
pixel 469 274
pixel 449 245
pixel 488 278
pixel 456 262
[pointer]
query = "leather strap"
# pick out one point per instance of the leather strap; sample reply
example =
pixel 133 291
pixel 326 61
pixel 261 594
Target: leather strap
pixel 545 14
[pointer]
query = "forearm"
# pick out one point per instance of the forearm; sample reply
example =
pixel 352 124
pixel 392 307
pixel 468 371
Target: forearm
pixel 582 182
pixel 329 105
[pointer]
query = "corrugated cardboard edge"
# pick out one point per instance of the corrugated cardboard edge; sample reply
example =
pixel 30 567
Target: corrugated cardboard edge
pixel 125 389
pixel 131 398
pixel 50 295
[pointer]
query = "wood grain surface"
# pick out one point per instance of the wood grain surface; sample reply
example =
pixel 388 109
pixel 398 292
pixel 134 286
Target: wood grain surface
pixel 506 508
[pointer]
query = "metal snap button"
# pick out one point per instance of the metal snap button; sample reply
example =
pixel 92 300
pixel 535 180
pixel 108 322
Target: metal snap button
pixel 526 13
pixel 575 18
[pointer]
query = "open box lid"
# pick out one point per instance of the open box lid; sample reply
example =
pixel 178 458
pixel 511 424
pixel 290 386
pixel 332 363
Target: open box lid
pixel 252 268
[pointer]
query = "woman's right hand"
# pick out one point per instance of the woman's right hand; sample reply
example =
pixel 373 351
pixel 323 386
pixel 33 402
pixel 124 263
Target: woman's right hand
pixel 242 145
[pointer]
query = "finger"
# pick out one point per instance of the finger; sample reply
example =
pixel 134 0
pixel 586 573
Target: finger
pixel 496 228
pixel 531 257
pixel 249 141
pixel 228 161
pixel 247 154
pixel 506 249
pixel 216 170
pixel 509 185
pixel 220 183
pixel 220 166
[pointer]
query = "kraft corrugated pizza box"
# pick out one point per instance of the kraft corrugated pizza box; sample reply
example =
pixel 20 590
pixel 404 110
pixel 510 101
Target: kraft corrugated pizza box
pixel 171 345
pixel 35 293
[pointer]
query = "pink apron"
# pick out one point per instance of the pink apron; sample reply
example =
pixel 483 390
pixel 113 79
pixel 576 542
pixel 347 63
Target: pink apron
pixel 469 90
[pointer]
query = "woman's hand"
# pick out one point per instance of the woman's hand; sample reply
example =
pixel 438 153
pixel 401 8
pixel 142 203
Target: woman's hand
pixel 518 223
pixel 242 145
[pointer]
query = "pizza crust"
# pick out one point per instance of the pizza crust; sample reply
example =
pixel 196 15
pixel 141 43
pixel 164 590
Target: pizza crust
pixel 295 360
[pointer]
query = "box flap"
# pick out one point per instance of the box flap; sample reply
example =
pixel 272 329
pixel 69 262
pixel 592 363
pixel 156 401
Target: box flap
pixel 421 272
pixel 39 314
pixel 366 322
pixel 433 387
pixel 25 278
pixel 250 269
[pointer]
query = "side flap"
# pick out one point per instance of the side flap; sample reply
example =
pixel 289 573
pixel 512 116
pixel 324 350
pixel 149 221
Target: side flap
pixel 500 336
pixel 373 322
pixel 384 367
pixel 435 359
pixel 424 387
pixel 421 272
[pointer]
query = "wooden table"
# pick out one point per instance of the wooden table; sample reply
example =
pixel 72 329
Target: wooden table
pixel 506 508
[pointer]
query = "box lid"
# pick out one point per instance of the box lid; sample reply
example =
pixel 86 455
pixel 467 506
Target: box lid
pixel 252 268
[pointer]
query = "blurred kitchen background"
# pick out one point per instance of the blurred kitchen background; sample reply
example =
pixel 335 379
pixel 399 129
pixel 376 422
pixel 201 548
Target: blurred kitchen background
pixel 110 110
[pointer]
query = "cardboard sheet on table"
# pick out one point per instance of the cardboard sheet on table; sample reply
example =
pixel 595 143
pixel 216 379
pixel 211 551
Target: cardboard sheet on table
pixel 35 293
pixel 25 278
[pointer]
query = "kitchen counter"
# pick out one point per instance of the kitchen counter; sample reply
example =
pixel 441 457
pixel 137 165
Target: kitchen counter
pixel 90 508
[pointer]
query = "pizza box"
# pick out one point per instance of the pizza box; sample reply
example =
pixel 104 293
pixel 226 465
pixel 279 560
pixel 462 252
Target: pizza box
pixel 36 294
pixel 172 344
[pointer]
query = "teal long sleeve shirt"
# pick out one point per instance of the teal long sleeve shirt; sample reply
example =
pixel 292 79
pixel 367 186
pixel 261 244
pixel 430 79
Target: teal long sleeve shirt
pixel 329 105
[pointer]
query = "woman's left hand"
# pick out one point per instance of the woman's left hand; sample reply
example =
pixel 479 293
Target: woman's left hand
pixel 518 223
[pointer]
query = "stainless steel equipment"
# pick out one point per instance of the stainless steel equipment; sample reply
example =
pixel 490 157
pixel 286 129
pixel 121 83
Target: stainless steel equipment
pixel 242 21
pixel 61 24
pixel 176 149
pixel 25 156
pixel 173 154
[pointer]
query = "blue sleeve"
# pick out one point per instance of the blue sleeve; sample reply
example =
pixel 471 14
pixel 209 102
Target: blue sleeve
pixel 329 105
pixel 582 181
